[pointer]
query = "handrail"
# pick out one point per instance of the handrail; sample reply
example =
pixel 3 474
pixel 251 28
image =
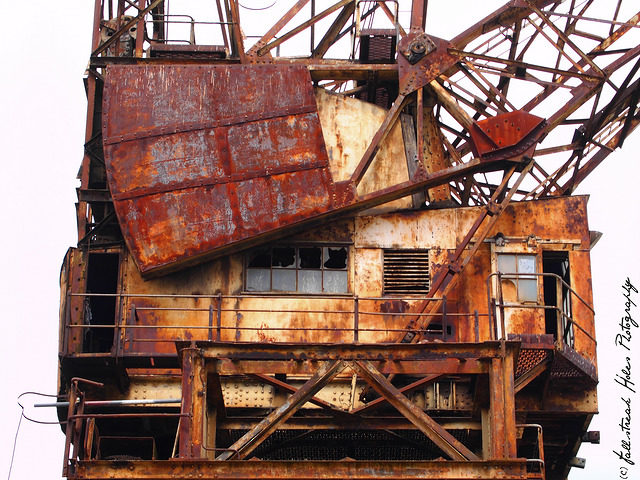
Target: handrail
pixel 558 277
pixel 208 318
pixel 320 296
pixel 540 460
pixel 570 320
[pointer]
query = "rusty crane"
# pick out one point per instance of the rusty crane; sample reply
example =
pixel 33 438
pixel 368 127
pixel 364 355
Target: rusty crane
pixel 344 248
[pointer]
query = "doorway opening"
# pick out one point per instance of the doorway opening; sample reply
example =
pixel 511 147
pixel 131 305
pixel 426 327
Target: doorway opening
pixel 100 311
pixel 557 294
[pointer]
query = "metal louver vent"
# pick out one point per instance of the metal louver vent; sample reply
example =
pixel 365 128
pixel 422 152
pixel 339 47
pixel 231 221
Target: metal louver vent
pixel 406 272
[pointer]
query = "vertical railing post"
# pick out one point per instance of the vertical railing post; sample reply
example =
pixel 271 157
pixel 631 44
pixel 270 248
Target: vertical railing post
pixel 67 326
pixel 444 317
pixel 559 317
pixel 476 325
pixel 73 395
pixel 503 333
pixel 494 324
pixel 117 333
pixel 132 320
pixel 210 336
pixel 356 320
pixel 219 319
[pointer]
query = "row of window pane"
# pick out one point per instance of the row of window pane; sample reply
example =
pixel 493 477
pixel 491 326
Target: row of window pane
pixel 334 258
pixel 298 269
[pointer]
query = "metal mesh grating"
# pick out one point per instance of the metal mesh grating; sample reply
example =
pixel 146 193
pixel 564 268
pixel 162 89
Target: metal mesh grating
pixel 529 358
pixel 563 368
pixel 358 445
pixel 406 272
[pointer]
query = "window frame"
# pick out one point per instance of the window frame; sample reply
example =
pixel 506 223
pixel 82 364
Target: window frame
pixel 297 268
pixel 517 277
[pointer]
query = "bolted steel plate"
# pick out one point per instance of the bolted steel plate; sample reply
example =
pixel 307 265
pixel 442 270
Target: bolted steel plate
pixel 206 159
pixel 503 131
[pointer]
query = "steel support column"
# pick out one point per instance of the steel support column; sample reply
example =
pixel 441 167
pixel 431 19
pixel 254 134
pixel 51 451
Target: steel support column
pixel 192 428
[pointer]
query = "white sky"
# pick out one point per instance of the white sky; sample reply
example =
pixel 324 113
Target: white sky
pixel 44 47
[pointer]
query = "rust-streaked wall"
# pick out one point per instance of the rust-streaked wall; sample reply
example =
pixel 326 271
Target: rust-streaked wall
pixel 533 227
pixel 348 126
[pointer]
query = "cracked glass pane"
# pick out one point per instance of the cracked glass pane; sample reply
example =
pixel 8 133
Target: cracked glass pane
pixel 526 264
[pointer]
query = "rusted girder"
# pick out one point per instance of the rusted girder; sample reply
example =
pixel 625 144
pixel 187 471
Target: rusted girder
pixel 350 422
pixel 448 366
pixel 254 437
pixel 407 388
pixel 269 380
pixel 116 36
pixel 438 435
pixel 376 352
pixel 308 470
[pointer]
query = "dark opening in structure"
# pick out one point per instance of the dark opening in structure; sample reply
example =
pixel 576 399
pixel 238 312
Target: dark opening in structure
pixel 557 294
pixel 100 311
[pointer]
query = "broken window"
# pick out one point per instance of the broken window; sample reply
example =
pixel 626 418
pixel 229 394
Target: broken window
pixel 517 286
pixel 303 269
pixel 406 272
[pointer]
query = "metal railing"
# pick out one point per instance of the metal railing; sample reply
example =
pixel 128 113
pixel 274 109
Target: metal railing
pixel 175 20
pixel 565 320
pixel 83 438
pixel 535 466
pixel 165 318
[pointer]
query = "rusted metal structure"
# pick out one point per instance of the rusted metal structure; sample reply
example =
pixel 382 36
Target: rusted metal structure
pixel 345 248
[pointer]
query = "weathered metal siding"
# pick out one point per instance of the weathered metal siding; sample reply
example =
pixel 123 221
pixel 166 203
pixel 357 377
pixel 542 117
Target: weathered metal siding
pixel 203 282
pixel 471 294
pixel 73 279
pixel 553 222
pixel 419 229
pixel 581 281
pixel 556 223
pixel 198 296
pixel 348 126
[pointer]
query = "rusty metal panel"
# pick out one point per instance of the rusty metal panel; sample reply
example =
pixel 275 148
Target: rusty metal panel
pixel 201 157
pixel 348 126
pixel 503 131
